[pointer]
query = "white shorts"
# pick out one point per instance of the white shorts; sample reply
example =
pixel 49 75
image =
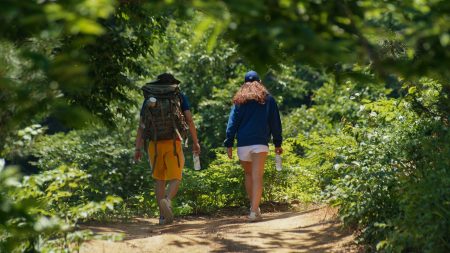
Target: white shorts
pixel 245 152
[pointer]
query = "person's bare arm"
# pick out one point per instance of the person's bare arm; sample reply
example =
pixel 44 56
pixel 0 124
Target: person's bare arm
pixel 139 142
pixel 193 131
pixel 230 152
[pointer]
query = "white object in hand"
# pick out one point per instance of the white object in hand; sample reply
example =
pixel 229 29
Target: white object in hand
pixel 278 164
pixel 196 162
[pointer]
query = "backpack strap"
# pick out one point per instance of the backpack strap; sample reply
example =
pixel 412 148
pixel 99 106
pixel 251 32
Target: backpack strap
pixel 175 135
pixel 175 152
pixel 181 98
pixel 156 154
pixel 163 116
pixel 186 140
pixel 156 145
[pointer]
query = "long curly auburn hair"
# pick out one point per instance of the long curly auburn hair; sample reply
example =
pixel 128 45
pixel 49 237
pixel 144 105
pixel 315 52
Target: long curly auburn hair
pixel 251 91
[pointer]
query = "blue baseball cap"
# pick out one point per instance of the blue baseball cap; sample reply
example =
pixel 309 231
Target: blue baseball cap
pixel 252 76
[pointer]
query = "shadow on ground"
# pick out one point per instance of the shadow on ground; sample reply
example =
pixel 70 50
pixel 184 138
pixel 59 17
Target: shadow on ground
pixel 314 230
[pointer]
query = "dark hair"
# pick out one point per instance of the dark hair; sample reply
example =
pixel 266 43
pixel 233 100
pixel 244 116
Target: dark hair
pixel 165 78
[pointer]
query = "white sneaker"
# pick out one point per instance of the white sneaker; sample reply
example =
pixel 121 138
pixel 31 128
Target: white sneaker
pixel 166 210
pixel 255 216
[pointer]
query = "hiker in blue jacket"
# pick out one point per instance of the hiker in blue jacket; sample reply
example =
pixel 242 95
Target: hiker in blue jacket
pixel 254 118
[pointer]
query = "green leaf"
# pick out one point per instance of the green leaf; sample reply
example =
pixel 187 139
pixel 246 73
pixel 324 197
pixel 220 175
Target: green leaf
pixel 86 26
pixel 412 90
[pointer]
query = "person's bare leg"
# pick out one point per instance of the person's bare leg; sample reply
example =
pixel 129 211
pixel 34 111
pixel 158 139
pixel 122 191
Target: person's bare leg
pixel 166 204
pixel 248 178
pixel 258 160
pixel 173 188
pixel 160 190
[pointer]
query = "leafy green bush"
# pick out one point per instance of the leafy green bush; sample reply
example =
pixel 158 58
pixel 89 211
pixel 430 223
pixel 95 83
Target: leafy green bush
pixel 40 212
pixel 105 156
pixel 383 161
pixel 105 168
pixel 393 184
pixel 222 184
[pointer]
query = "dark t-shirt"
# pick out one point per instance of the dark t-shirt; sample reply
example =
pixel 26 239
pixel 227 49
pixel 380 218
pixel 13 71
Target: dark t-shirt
pixel 184 104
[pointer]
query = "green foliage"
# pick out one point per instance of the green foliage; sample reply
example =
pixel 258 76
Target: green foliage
pixel 13 212
pixel 39 213
pixel 218 186
pixel 293 85
pixel 105 168
pixel 54 61
pixel 63 190
pixel 383 161
pixel 222 184
pixel 325 33
pixel 131 32
pixel 105 157
pixel 42 42
pixel 363 86
pixel 391 184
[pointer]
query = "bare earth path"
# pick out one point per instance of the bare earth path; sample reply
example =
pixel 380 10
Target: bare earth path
pixel 313 230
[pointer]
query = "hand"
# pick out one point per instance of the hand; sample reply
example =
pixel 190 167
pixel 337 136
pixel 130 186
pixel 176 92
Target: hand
pixel 278 150
pixel 137 155
pixel 196 148
pixel 230 152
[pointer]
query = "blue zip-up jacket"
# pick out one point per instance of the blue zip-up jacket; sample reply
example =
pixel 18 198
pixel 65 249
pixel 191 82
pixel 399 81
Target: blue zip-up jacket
pixel 254 123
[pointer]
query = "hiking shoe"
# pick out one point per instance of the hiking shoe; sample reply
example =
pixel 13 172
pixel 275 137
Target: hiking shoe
pixel 166 210
pixel 255 216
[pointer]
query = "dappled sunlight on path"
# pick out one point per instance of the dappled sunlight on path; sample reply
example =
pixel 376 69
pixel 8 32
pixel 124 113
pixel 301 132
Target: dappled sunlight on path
pixel 315 230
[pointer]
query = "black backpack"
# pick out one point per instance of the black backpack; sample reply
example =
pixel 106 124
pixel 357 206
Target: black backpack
pixel 165 119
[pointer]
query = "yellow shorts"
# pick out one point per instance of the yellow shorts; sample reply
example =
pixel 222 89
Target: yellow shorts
pixel 166 166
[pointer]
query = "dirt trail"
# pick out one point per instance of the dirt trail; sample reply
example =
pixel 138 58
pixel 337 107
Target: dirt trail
pixel 313 230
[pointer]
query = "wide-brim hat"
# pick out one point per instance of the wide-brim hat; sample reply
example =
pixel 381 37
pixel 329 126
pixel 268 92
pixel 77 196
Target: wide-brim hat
pixel 165 78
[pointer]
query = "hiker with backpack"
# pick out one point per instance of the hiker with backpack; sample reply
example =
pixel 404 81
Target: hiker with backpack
pixel 254 118
pixel 165 119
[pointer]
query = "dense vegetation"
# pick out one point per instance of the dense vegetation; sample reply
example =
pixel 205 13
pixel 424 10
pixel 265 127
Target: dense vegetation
pixel 363 87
